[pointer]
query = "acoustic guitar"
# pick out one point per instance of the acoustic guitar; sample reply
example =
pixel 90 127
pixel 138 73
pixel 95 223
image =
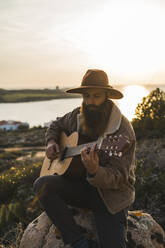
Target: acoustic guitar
pixel 111 145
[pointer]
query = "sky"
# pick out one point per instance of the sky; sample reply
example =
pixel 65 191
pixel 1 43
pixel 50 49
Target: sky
pixel 49 43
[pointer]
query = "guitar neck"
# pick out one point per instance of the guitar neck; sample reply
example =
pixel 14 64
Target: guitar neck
pixel 76 150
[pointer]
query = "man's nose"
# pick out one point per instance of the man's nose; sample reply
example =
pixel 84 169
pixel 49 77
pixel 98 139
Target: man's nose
pixel 91 100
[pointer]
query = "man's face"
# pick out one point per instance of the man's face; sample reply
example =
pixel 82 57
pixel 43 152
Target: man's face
pixel 95 110
pixel 94 98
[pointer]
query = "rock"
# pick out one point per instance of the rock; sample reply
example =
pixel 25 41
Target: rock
pixel 143 231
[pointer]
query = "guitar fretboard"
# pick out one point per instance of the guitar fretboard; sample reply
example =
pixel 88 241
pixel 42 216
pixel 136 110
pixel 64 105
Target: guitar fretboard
pixel 76 150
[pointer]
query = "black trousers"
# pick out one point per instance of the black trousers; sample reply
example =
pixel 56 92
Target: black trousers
pixel 57 192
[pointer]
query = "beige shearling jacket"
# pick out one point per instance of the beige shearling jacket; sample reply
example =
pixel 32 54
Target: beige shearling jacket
pixel 115 179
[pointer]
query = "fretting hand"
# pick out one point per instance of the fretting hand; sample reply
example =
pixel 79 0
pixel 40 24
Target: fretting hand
pixel 90 160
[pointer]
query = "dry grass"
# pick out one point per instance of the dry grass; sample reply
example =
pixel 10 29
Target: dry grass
pixel 12 237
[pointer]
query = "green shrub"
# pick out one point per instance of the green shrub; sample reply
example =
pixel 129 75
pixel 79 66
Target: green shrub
pixel 11 179
pixel 16 194
pixel 150 116
pixel 14 212
pixel 3 215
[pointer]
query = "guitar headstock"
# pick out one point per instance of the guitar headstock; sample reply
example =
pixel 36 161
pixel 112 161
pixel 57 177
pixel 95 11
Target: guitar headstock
pixel 115 145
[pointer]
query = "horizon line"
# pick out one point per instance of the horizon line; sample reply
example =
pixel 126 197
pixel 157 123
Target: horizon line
pixel 64 87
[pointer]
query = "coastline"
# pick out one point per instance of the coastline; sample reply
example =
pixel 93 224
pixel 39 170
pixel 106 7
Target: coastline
pixel 20 96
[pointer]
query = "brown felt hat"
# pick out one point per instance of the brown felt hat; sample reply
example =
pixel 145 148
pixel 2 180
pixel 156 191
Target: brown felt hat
pixel 96 79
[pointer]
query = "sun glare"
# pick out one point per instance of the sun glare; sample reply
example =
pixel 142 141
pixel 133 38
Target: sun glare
pixel 133 94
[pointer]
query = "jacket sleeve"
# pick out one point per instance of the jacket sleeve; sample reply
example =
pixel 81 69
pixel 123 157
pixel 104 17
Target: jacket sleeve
pixel 66 124
pixel 118 171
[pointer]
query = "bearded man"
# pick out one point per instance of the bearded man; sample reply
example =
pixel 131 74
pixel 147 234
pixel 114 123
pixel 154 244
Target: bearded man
pixel 105 186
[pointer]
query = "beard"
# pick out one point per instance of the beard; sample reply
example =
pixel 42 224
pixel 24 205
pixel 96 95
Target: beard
pixel 95 118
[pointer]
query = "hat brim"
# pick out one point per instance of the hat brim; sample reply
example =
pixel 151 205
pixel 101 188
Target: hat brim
pixel 112 93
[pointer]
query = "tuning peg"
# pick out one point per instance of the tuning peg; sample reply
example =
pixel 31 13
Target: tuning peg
pixel 112 147
pixel 120 154
pixel 115 153
pixel 110 153
pixel 116 147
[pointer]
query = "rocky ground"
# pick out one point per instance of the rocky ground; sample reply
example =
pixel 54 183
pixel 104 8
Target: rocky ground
pixel 23 138
pixel 152 152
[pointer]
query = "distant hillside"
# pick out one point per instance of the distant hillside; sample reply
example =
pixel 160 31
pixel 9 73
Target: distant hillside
pixel 28 95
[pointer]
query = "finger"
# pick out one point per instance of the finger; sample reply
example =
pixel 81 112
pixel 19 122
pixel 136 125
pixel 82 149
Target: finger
pixel 51 153
pixel 92 152
pixel 84 158
pixel 96 157
pixel 84 155
pixel 84 152
pixel 54 148
pixel 57 148
pixel 93 148
pixel 50 156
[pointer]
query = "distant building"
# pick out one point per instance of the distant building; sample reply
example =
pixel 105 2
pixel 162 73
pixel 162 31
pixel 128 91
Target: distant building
pixel 47 124
pixel 12 125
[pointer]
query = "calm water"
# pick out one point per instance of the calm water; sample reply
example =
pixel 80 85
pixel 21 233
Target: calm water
pixel 38 113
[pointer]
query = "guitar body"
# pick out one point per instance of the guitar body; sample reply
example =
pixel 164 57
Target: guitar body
pixel 60 166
